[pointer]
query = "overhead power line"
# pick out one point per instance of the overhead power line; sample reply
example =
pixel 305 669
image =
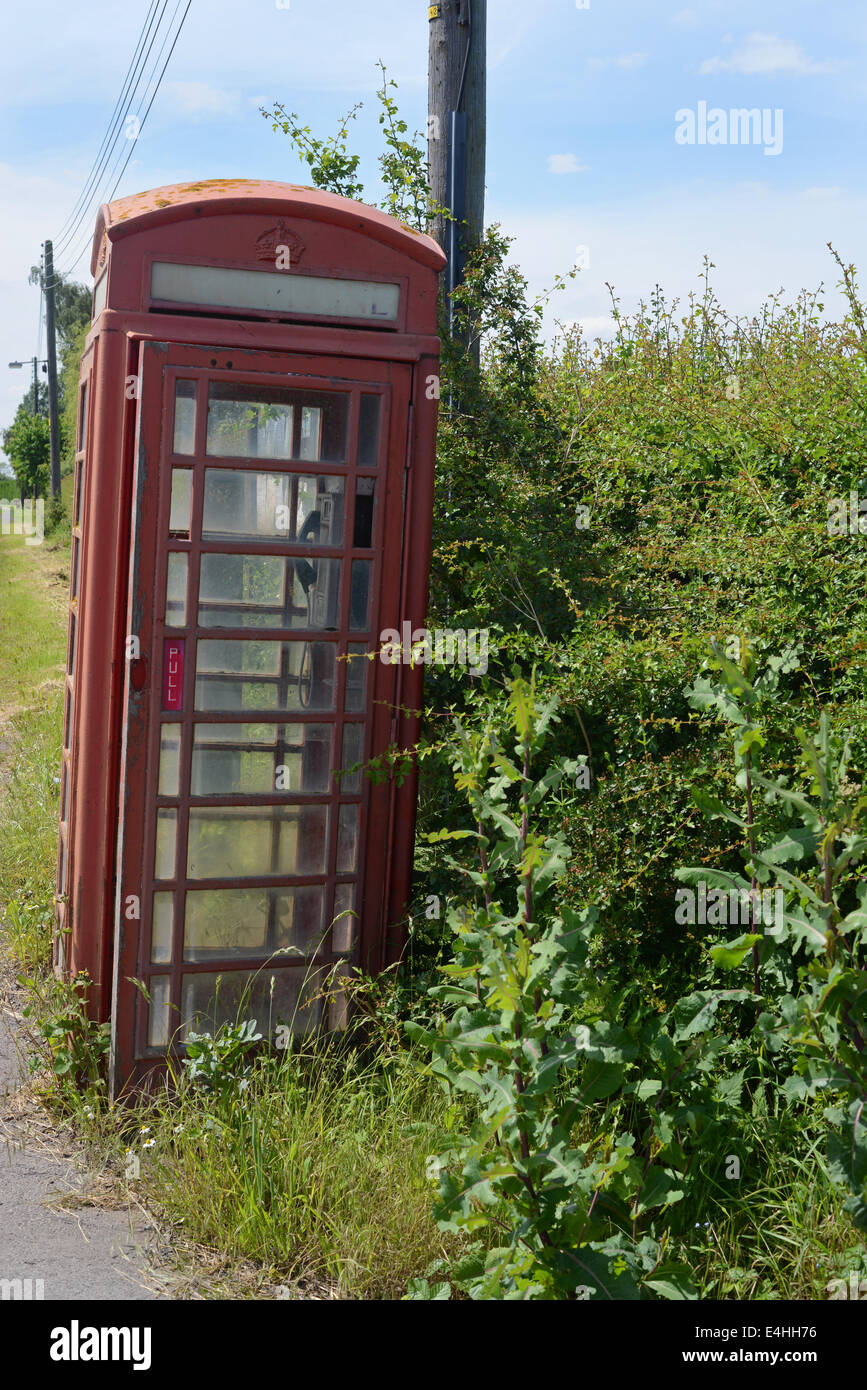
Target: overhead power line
pixel 156 89
pixel 108 137
pixel 123 106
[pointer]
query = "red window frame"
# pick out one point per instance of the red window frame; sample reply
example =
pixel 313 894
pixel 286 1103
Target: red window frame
pixel 161 365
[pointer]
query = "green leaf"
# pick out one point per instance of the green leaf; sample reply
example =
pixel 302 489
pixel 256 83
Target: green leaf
pixel 714 878
pixel 672 1282
pixel 420 1289
pixel 810 816
pixel 712 806
pixel 590 1270
pixel 795 844
pixel 644 1090
pixel 693 1014
pixel 847 1165
pixel 788 880
pixel 659 1189
pixel 601 1079
pixel 730 956
pixel 728 1088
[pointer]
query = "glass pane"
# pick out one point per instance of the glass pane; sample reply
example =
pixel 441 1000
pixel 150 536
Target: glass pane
pixel 82 417
pixel 274 292
pixel 265 675
pixel 356 678
pixel 269 591
pixel 170 751
pixel 73 580
pixel 344 930
pixel 363 524
pixel 167 834
pixel 347 839
pixel 254 841
pixel 70 665
pixel 368 431
pixel 310 444
pixel 209 999
pixel 359 595
pixel 100 290
pixel 159 1012
pixel 162 919
pixel 79 487
pixel 182 501
pixel 276 422
pixel 176 589
pixel 353 752
pixel 185 417
pixel 303 508
pixel 253 921
pixel 256 759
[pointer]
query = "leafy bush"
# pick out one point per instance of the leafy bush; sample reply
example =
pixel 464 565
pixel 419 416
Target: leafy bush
pixel 810 964
pixel 534 1036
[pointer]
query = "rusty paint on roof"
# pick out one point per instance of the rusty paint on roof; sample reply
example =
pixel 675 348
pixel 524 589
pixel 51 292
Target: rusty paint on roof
pixel 178 193
pixel 315 202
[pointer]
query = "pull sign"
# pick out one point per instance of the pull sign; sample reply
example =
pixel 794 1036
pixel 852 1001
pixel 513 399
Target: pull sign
pixel 173 674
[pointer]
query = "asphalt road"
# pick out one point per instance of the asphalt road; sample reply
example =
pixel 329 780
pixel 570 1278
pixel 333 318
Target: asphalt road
pixel 78 1251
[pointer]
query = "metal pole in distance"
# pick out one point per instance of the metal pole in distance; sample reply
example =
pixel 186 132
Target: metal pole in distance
pixel 53 422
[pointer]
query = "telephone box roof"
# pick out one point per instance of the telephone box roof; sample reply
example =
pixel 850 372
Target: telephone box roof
pixel 177 202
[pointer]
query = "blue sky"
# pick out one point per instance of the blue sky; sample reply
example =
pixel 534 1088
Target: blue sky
pixel 581 132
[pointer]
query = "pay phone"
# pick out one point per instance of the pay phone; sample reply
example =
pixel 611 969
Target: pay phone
pixel 256 450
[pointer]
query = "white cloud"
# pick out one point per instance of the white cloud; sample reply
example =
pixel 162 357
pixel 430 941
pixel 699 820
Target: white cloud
pixel 630 61
pixel 685 19
pixel 765 55
pixel 593 326
pixel 565 164
pixel 200 99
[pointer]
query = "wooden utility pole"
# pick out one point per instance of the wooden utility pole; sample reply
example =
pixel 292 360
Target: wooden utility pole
pixel 456 125
pixel 53 422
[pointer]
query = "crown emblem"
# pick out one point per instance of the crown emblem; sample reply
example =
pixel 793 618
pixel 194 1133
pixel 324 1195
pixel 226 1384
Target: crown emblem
pixel 281 235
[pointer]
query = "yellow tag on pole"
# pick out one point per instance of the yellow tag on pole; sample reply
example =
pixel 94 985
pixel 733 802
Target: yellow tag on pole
pixel 433 11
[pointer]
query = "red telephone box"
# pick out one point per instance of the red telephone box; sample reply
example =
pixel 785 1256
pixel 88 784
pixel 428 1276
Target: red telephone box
pixel 252 509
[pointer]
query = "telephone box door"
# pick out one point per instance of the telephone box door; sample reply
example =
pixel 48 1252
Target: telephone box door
pixel 266 557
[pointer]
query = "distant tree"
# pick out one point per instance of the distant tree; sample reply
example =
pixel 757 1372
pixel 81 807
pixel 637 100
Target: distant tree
pixel 72 309
pixel 27 444
pixel 69 372
pixel 41 393
pixel 71 305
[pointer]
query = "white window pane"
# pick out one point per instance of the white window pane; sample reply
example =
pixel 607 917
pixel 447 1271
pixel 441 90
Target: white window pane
pixel 257 841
